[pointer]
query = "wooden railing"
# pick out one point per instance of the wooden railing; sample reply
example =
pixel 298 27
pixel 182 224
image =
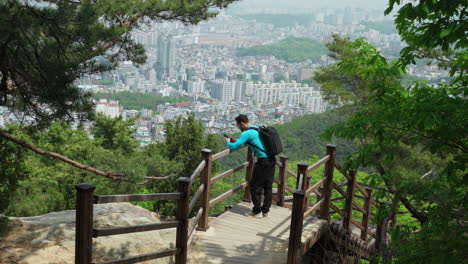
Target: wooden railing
pixel 301 205
pixel 184 232
pixel 300 208
pixel 85 231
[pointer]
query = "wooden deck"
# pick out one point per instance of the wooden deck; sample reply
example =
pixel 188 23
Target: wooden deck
pixel 235 238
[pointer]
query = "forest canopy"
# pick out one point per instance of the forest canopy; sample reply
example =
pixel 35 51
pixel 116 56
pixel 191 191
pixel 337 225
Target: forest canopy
pixel 291 49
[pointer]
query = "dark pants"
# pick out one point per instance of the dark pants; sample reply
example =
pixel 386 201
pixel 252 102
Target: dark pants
pixel 262 181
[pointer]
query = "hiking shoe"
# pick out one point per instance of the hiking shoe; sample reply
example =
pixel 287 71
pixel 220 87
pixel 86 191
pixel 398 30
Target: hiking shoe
pixel 265 215
pixel 259 215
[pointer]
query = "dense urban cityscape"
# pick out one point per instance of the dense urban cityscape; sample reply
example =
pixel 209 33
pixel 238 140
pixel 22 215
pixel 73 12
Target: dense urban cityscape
pixel 202 62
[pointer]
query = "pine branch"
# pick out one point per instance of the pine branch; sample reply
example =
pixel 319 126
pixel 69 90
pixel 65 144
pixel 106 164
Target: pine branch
pixel 110 175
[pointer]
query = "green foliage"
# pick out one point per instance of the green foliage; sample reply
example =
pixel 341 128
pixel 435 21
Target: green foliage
pixel 281 20
pixel 343 87
pixel 4 226
pixel 47 45
pixel 301 137
pixel 291 49
pixel 403 132
pixel 435 29
pixel 32 184
pixel 114 133
pixel 138 101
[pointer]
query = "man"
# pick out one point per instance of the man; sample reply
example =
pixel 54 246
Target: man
pixel 264 169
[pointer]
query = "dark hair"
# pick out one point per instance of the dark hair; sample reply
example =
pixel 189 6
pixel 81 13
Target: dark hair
pixel 242 119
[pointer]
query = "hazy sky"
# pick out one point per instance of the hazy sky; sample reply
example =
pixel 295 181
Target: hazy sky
pixel 381 4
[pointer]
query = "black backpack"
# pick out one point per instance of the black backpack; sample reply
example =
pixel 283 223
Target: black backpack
pixel 270 139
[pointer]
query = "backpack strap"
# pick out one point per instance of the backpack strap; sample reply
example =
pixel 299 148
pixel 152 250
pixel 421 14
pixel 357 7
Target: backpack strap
pixel 252 145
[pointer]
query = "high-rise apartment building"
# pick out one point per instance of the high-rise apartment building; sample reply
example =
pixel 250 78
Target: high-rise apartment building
pixel 290 93
pixel 166 55
pixel 223 90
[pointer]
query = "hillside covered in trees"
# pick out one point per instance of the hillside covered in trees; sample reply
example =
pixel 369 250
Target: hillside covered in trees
pixel 291 49
pixel 138 101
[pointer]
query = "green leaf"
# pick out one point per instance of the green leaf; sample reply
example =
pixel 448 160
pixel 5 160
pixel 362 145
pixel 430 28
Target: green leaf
pixel 445 32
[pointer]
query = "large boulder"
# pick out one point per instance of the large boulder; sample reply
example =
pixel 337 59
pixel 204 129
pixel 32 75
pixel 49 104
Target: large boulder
pixel 50 238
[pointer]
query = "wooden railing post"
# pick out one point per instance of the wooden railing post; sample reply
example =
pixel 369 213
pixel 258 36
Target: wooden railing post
pixel 205 198
pixel 282 180
pixel 366 216
pixel 249 174
pixel 295 232
pixel 302 180
pixel 348 212
pixel 327 186
pixel 183 186
pixel 84 223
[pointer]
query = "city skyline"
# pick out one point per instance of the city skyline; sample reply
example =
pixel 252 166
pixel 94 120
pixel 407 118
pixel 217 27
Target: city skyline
pixel 379 4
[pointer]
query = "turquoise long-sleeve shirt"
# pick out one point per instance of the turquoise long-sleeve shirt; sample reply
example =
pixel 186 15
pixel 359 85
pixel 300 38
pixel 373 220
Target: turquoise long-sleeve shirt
pixel 251 137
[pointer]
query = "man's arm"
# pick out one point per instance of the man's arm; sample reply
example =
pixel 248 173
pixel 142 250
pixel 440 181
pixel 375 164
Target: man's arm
pixel 241 141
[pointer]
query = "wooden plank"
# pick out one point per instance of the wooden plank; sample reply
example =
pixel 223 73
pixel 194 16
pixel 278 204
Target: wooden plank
pixel 362 190
pixel 373 202
pixel 195 222
pixel 183 186
pixel 314 187
pixel 224 153
pixel 318 164
pixel 228 193
pixel 282 182
pixel 366 215
pixel 133 229
pixel 290 172
pixel 339 189
pixel 356 223
pixel 205 198
pixel 146 257
pixel 229 172
pixel 195 197
pixel 336 209
pixel 295 233
pixel 358 207
pixel 348 211
pixel 84 223
pixel 120 198
pixel 337 199
pixel 289 189
pixel 327 186
pixel 249 174
pixel 221 154
pixel 197 171
pixel 314 208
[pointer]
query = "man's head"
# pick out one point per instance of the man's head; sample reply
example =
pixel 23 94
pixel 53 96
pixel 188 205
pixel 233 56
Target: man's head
pixel 242 122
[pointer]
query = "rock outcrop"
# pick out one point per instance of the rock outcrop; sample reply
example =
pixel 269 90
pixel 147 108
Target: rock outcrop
pixel 50 238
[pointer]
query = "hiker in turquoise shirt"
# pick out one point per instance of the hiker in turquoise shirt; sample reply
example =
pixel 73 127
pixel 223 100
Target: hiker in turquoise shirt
pixel 251 138
pixel 264 169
